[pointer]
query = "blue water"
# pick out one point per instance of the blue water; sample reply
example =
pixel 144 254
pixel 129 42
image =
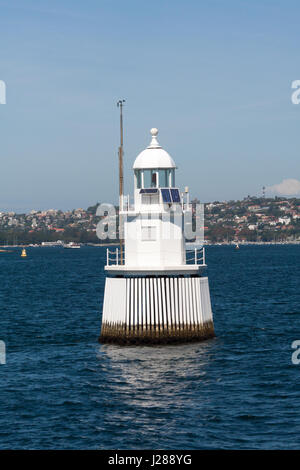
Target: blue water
pixel 61 389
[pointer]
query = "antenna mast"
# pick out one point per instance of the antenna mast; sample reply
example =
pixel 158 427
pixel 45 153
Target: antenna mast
pixel 120 105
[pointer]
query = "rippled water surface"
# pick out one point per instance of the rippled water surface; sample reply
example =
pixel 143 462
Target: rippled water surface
pixel 61 389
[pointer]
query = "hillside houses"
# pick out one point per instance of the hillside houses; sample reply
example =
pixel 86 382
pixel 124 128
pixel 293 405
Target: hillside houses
pixel 251 219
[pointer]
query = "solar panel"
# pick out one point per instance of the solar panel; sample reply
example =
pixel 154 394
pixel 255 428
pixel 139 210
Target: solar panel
pixel 148 191
pixel 166 195
pixel 175 195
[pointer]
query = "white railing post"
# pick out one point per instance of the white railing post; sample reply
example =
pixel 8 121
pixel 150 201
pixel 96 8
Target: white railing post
pixel 117 256
pixel 195 255
pixel 203 255
pixel 107 259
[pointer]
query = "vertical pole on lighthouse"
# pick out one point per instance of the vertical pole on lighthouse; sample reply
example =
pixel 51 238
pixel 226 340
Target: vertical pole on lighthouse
pixel 121 184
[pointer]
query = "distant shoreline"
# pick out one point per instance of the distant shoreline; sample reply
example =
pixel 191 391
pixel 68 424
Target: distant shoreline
pixel 232 244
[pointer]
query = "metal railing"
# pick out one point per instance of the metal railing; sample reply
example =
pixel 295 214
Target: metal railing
pixel 196 256
pixel 187 206
pixel 113 257
pixel 127 205
pixel 193 256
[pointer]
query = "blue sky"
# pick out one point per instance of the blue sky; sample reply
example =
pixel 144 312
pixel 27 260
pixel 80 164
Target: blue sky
pixel 213 76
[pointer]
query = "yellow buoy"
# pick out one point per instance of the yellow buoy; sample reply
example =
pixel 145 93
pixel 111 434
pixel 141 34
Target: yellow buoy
pixel 23 254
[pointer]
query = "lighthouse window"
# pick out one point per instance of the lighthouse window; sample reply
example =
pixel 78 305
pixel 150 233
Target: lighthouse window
pixel 147 179
pixel 163 178
pixel 166 178
pixel 148 233
pixel 138 179
pixel 149 198
pixel 150 179
pixel 172 178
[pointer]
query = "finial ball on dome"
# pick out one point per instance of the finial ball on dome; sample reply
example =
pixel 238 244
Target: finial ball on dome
pixel 154 131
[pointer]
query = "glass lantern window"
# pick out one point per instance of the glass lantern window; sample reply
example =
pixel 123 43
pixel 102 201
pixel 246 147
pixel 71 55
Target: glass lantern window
pixel 163 178
pixel 172 178
pixel 147 178
pixel 138 176
pixel 150 178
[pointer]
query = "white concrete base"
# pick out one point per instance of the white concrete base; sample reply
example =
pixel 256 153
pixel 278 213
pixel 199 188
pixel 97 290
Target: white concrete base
pixel 156 309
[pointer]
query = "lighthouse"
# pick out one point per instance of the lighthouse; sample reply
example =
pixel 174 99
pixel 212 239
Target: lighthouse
pixel 155 290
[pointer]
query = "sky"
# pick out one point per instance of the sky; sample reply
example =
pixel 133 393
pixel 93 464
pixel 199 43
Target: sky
pixel 214 77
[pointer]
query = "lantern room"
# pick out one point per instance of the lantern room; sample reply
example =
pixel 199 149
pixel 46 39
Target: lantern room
pixel 153 169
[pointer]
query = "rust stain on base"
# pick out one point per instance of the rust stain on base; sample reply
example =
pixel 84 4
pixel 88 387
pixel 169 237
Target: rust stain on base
pixel 159 334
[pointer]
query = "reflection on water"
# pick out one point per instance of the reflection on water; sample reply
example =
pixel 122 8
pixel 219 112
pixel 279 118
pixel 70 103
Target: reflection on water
pixel 156 376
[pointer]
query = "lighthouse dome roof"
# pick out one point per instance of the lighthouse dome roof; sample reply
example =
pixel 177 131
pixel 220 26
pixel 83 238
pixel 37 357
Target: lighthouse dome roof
pixel 154 156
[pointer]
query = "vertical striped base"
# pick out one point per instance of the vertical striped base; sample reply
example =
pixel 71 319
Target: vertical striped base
pixel 156 310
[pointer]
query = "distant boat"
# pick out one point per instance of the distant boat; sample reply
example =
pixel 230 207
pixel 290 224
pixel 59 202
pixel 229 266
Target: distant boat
pixel 72 245
pixel 52 244
pixel 23 254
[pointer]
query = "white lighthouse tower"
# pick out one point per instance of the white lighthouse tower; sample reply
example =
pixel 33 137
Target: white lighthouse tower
pixel 155 291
